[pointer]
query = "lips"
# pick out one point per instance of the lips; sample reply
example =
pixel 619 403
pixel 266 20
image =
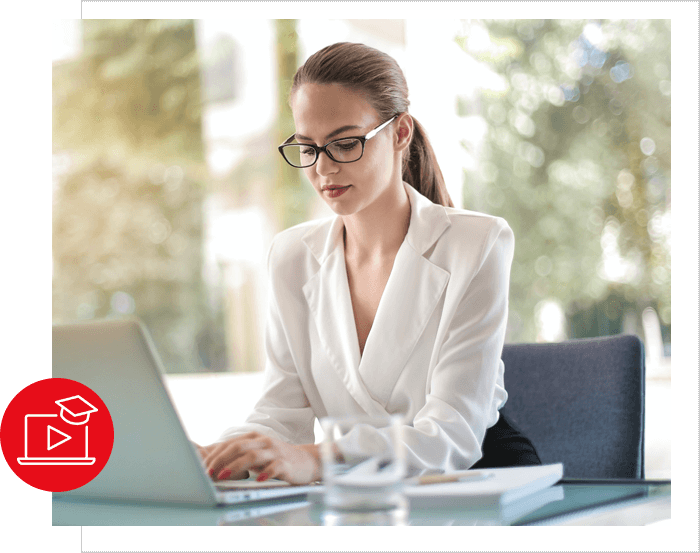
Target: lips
pixel 332 186
pixel 334 191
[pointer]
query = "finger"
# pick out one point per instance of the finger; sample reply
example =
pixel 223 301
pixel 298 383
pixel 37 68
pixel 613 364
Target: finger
pixel 223 458
pixel 239 443
pixel 200 453
pixel 252 460
pixel 222 452
pixel 281 469
pixel 273 469
pixel 215 449
pixel 227 474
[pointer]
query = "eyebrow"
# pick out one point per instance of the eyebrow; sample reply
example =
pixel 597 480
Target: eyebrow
pixel 336 132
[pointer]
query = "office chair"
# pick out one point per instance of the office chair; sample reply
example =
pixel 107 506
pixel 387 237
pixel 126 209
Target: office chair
pixel 581 403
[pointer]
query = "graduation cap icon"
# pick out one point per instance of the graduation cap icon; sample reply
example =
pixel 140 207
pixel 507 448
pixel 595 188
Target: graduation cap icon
pixel 45 445
pixel 75 407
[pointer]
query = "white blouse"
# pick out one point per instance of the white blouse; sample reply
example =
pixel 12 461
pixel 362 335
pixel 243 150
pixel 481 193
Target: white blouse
pixel 433 353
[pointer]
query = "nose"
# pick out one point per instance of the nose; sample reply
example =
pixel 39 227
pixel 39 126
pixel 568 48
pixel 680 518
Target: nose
pixel 325 165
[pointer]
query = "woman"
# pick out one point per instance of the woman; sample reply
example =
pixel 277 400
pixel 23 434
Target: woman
pixel 398 304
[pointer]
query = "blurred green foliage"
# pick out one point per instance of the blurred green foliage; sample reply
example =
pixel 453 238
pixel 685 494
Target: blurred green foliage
pixel 292 195
pixel 127 226
pixel 577 158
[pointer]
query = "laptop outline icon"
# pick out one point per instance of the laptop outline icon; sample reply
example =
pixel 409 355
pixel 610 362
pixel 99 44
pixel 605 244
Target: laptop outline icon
pixel 86 411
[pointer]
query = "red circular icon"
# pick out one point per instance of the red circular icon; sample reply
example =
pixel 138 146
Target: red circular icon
pixel 56 434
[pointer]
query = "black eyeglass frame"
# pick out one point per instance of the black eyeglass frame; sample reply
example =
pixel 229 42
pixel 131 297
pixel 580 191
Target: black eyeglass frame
pixel 319 149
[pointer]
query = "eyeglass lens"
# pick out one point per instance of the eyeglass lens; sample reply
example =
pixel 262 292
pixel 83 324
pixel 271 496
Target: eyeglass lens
pixel 301 155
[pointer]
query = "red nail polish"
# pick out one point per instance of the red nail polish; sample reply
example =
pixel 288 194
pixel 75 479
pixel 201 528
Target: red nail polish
pixel 211 472
pixel 262 477
pixel 224 474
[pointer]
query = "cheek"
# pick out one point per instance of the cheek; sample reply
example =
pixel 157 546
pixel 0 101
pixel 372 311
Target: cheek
pixel 380 165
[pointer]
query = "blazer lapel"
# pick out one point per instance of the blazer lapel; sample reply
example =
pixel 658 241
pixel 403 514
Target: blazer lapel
pixel 412 292
pixel 328 297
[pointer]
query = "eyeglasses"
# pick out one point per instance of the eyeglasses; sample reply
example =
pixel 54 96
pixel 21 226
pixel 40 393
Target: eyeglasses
pixel 342 150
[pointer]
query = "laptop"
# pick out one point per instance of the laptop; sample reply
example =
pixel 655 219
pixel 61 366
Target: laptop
pixel 152 458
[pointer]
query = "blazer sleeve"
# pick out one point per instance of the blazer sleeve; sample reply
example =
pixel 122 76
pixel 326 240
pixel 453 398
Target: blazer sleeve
pixel 283 411
pixel 464 387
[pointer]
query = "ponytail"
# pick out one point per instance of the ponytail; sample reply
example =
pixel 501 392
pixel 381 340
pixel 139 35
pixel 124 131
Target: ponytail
pixel 421 169
pixel 380 79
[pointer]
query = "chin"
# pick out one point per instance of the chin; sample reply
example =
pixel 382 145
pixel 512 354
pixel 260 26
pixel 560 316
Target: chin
pixel 341 210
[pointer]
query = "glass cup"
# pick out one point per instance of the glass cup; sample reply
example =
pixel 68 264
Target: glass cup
pixel 364 465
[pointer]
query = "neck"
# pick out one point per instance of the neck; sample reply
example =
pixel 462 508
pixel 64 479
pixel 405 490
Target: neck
pixel 380 229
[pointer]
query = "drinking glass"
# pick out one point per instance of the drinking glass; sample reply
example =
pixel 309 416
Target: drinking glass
pixel 364 465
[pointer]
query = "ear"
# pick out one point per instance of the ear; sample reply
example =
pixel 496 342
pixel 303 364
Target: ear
pixel 403 132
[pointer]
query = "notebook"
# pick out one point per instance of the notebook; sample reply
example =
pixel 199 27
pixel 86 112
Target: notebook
pixel 152 459
pixel 488 490
pixel 499 487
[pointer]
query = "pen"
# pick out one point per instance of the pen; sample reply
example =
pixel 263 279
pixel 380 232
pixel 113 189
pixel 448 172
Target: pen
pixel 459 477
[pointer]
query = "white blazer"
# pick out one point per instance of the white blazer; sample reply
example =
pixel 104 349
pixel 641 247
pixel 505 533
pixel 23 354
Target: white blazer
pixel 433 353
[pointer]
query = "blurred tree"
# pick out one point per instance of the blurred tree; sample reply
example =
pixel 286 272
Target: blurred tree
pixel 128 227
pixel 292 195
pixel 577 158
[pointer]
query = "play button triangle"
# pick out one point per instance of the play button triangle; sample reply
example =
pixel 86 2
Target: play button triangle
pixel 49 430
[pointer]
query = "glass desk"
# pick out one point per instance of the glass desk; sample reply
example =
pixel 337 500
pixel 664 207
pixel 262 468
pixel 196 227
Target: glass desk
pixel 570 502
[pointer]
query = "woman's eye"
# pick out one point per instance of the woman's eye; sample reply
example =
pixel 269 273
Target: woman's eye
pixel 349 145
pixel 307 151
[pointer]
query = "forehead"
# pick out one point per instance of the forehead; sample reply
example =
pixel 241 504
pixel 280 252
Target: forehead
pixel 319 109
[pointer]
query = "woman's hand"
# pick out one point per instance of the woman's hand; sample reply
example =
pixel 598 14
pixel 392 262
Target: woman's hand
pixel 270 457
pixel 204 450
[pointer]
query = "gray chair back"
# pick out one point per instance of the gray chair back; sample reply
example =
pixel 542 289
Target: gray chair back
pixel 581 403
